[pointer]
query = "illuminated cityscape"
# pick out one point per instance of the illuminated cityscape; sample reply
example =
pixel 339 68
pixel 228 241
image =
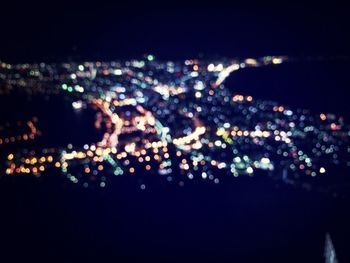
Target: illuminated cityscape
pixel 174 132
pixel 172 119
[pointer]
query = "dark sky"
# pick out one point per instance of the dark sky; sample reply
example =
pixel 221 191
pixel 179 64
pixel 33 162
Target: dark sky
pixel 81 30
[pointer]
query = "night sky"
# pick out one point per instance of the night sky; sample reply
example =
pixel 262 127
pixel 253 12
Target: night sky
pixel 174 30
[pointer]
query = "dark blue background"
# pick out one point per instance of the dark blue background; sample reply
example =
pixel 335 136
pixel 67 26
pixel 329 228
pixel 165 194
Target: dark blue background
pixel 239 220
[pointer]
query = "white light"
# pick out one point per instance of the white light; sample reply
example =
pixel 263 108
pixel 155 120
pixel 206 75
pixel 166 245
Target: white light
pixel 79 88
pixel 250 170
pixel 221 165
pixel 219 67
pixel 211 67
pixel 322 170
pixel 288 112
pixel 117 72
pixel 217 143
pixel 199 85
pixel 226 125
pixel 194 74
pixel 237 159
pixel 77 104
pixel 165 129
pixel 265 160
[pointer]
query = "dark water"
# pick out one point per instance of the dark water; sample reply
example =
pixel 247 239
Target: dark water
pixel 58 122
pixel 321 86
pixel 246 220
pixel 239 220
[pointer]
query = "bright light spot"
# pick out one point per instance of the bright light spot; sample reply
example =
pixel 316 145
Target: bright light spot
pixel 211 67
pixel 251 61
pixel 250 170
pixel 322 170
pixel 117 72
pixel 10 157
pixel 79 88
pixel 217 143
pixel 277 60
pixel 265 160
pixel 77 104
pixel 219 67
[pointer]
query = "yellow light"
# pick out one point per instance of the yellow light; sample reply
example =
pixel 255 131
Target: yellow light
pixel 10 157
pixel 65 165
pixel 211 67
pixel 198 94
pixel 277 60
pixel 251 61
pixel 99 151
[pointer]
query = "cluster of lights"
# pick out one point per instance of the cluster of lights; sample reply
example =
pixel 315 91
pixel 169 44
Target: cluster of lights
pixel 176 120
